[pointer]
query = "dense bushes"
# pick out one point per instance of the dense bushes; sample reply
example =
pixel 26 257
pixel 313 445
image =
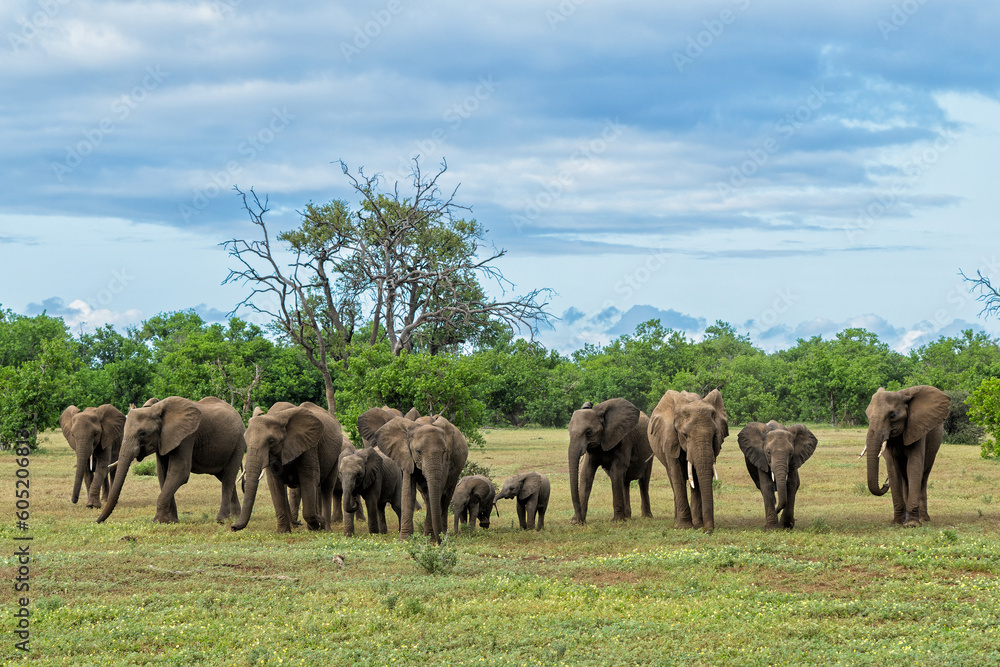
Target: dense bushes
pixel 511 382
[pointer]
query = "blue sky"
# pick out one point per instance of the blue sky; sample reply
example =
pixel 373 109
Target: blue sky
pixel 791 169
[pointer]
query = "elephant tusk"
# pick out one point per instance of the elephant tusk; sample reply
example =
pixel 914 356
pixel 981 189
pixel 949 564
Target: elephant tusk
pixel 241 475
pixel 715 472
pixel 772 477
pixel 882 451
pixel 863 451
pixel 649 459
pixel 690 474
pixel 113 465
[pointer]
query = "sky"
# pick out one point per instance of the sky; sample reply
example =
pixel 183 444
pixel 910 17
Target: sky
pixel 792 169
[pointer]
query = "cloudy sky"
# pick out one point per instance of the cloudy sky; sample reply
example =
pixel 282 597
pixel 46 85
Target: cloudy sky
pixel 788 168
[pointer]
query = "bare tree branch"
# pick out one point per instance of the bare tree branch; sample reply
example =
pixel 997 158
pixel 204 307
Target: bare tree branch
pixel 988 294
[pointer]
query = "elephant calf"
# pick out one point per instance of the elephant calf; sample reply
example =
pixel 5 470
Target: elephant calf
pixel 774 454
pixel 474 498
pixel 532 492
pixel 368 473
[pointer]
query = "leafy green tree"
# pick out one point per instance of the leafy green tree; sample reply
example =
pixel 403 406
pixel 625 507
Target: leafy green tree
pixel 32 392
pixel 113 369
pixel 984 410
pixel 960 363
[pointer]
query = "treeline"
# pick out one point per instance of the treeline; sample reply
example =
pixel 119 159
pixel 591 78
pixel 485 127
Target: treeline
pixel 506 381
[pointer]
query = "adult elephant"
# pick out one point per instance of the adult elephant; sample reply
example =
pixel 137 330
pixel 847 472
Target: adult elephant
pixel 203 437
pixel 609 435
pixel 907 425
pixel 298 447
pixel 431 456
pixel 774 455
pixel 95 434
pixel 686 431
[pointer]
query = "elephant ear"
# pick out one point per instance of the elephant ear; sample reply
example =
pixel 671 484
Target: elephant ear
pixel 393 438
pixel 66 424
pixel 112 426
pixel 619 417
pixel 413 415
pixel 257 412
pixel 303 430
pixel 714 398
pixel 373 463
pixel 371 421
pixel 805 445
pixel 151 401
pixel 751 440
pixel 528 485
pixel 661 425
pixel 928 407
pixel 455 442
pixel 181 418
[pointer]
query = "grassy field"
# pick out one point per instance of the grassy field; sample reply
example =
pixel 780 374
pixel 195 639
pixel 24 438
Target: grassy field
pixel 843 588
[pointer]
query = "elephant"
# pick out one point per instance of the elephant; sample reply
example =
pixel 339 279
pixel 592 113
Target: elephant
pixel 203 437
pixel 609 435
pixel 431 456
pixel 95 434
pixel 372 475
pixel 907 425
pixel 686 431
pixel 774 455
pixel 474 499
pixel 532 492
pixel 298 447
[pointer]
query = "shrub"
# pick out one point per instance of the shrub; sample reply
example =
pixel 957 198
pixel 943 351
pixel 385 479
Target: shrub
pixel 473 468
pixel 433 558
pixel 145 468
pixel 958 428
pixel 984 410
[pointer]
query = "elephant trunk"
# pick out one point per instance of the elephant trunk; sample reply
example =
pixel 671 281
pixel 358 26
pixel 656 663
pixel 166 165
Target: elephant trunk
pixel 575 453
pixel 350 498
pixel 705 475
pixel 129 452
pixel 82 468
pixel 251 478
pixel 873 449
pixel 434 490
pixel 780 471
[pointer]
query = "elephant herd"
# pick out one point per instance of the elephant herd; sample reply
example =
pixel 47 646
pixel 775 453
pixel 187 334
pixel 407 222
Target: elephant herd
pixel 307 459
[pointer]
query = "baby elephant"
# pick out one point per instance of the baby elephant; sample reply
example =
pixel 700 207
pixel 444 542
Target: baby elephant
pixel 369 474
pixel 774 454
pixel 474 498
pixel 532 493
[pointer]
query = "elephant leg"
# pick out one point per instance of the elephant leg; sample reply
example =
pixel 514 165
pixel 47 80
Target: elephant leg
pixel 696 514
pixel 930 453
pixel 530 511
pixel 279 498
pixel 644 492
pixel 428 519
pixel 541 517
pixel 326 506
pixel 309 490
pixel 627 494
pixel 383 526
pixel 166 505
pixel 619 491
pixel 914 477
pixel 678 484
pixel 473 510
pixel 371 502
pixel 767 493
pixel 294 500
pixel 788 514
pixel 896 485
pixel 586 485
pixel 520 515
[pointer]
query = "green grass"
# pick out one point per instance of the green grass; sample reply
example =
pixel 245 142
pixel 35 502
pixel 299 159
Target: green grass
pixel 844 588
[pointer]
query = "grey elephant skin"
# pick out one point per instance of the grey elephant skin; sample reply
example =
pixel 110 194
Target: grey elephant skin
pixel 774 455
pixel 430 452
pixel 95 434
pixel 532 492
pixel 473 499
pixel 298 447
pixel 203 437
pixel 686 433
pixel 910 423
pixel 371 475
pixel 610 435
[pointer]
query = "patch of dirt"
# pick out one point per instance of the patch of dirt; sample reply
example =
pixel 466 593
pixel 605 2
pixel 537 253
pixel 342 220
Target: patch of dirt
pixel 597 577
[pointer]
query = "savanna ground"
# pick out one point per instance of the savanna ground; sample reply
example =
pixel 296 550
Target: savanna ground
pixel 842 588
